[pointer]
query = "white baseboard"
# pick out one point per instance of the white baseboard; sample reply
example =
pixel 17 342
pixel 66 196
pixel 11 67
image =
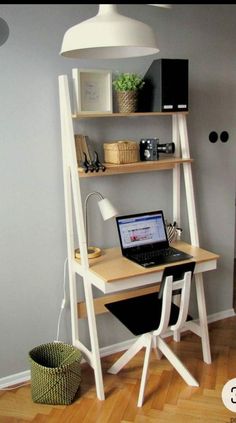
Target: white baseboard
pixel 18 378
pixel 221 315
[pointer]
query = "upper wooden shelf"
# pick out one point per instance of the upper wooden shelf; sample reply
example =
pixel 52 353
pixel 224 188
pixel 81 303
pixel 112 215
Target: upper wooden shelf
pixel 115 169
pixel 102 115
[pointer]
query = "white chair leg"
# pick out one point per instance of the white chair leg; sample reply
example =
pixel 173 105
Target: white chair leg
pixel 176 335
pixel 145 369
pixel 126 357
pixel 176 363
pixel 157 352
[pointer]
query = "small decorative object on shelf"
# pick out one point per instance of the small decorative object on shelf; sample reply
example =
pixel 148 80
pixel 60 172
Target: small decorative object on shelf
pixel 127 86
pixel 92 91
pixel 87 164
pixel 92 165
pixel 121 152
pixel 173 232
pixel 150 148
pixel 97 164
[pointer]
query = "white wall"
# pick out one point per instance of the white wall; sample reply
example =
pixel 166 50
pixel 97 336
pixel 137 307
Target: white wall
pixel 33 239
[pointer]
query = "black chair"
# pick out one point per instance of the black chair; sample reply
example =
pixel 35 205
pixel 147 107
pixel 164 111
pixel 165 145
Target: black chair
pixel 150 316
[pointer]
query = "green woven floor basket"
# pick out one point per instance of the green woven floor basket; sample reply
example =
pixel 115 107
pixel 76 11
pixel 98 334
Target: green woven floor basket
pixel 55 373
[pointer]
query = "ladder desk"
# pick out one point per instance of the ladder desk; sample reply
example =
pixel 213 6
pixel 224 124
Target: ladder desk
pixel 104 272
pixel 112 273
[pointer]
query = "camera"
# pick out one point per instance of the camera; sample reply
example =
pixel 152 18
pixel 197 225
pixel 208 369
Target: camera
pixel 168 148
pixel 150 148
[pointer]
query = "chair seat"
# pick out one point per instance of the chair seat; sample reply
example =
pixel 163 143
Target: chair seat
pixel 142 314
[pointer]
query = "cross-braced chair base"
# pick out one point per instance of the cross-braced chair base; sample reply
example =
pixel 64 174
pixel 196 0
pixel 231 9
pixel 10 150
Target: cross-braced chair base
pixel 146 341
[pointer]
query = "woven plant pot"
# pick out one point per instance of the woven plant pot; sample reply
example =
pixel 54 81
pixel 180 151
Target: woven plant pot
pixel 127 101
pixel 55 373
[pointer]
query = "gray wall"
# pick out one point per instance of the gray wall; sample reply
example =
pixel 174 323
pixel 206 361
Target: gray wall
pixel 33 238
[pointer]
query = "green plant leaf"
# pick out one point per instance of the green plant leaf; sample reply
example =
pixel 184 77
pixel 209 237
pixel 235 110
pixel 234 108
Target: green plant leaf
pixel 128 82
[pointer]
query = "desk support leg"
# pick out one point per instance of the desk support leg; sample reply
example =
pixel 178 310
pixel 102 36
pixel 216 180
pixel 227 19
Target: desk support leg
pixel 194 235
pixel 203 318
pixel 96 360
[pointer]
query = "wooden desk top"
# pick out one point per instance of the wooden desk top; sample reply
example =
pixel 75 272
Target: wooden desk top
pixel 111 266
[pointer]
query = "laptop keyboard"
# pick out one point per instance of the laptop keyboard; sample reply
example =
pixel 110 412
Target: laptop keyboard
pixel 152 255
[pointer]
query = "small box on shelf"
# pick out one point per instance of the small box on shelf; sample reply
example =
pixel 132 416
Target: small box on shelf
pixel 121 152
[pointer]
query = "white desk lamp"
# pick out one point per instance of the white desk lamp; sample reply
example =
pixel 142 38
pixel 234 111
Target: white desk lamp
pixel 107 210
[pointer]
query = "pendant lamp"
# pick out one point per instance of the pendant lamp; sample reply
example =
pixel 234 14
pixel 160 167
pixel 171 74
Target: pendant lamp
pixel 109 35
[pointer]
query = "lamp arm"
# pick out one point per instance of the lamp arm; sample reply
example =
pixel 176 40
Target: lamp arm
pixel 86 210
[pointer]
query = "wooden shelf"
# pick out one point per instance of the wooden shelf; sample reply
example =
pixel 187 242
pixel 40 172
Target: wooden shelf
pixel 105 115
pixel 115 169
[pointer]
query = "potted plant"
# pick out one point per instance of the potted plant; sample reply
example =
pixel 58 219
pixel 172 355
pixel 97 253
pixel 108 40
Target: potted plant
pixel 127 86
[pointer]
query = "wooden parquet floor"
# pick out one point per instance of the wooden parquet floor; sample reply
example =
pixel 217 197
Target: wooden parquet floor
pixel 167 397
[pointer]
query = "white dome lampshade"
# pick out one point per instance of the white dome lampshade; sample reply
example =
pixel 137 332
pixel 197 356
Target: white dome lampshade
pixel 107 210
pixel 109 35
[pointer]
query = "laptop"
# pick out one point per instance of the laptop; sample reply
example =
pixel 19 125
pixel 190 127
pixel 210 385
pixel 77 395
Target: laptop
pixel 143 239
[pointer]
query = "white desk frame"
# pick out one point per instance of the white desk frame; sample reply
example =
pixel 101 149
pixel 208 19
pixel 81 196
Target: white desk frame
pixel 73 203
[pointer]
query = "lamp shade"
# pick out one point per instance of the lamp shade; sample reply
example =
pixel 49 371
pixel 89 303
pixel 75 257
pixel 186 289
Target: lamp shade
pixel 109 35
pixel 107 209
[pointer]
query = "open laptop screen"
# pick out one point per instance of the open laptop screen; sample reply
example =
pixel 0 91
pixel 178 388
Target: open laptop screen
pixel 141 229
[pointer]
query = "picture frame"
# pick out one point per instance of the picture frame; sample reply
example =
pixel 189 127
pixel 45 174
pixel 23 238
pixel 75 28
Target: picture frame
pixel 92 90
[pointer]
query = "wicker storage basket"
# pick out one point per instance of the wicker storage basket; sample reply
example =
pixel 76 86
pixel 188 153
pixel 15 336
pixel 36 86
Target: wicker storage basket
pixel 55 373
pixel 121 152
